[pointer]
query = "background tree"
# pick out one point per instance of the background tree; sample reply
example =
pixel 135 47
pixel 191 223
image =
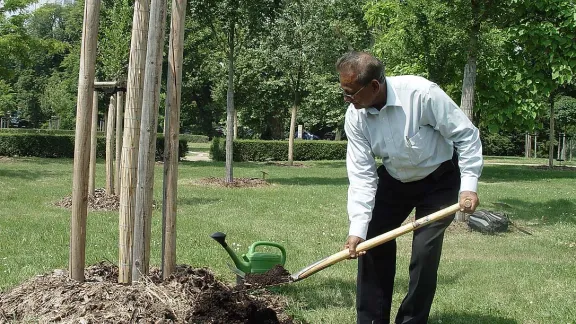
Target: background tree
pixel 233 22
pixel 545 49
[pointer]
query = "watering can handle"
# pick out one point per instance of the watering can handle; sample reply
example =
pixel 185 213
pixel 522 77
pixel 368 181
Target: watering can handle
pixel 280 247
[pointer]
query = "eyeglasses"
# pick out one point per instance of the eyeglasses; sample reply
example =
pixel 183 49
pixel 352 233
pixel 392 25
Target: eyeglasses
pixel 350 97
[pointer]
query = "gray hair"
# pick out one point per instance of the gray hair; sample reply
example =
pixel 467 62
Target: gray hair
pixel 364 65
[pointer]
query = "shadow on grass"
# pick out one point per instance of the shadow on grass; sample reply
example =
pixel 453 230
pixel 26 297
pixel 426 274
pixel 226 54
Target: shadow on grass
pixel 549 212
pixel 469 318
pixel 327 293
pixel 511 173
pixel 22 174
pixel 310 181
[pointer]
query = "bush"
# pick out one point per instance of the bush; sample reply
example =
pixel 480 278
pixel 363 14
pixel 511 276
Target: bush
pixel 502 145
pixel 258 150
pixel 61 146
pixel 194 138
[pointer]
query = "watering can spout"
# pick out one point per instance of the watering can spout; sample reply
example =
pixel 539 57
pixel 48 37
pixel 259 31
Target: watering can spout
pixel 240 264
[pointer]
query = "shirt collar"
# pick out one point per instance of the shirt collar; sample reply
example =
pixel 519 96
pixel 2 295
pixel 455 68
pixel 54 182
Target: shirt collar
pixel 391 98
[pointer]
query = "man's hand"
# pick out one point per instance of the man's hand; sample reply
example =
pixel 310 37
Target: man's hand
pixel 351 244
pixel 468 201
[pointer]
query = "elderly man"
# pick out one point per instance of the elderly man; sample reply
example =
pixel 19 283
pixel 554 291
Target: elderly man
pixel 431 157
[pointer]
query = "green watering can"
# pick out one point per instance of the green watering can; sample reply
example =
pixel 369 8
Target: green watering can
pixel 252 262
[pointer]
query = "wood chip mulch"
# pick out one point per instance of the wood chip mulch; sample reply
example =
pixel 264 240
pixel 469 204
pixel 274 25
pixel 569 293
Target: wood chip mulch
pixel 188 296
pixel 99 202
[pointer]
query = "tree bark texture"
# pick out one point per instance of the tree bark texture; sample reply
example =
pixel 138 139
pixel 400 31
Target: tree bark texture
pixel 119 123
pixel 131 138
pixel 230 111
pixel 93 145
pixel 110 124
pixel 147 152
pixel 171 137
pixel 77 256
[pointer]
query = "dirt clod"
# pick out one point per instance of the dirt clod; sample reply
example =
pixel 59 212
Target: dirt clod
pixel 188 296
pixel 275 276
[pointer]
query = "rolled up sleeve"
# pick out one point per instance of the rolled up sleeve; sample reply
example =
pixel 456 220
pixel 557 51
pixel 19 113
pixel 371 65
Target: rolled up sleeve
pixel 361 167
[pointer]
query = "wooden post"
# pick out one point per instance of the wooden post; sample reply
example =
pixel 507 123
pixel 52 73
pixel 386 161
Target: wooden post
pixel 291 135
pixel 535 145
pixel 563 152
pixel 131 138
pixel 77 255
pixel 119 115
pixel 110 124
pixel 93 144
pixel 526 145
pixel 171 137
pixel 147 152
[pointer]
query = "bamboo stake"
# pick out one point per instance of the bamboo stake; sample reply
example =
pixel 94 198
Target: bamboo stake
pixel 110 145
pixel 77 255
pixel 93 144
pixel 148 126
pixel 131 137
pixel 119 115
pixel 171 134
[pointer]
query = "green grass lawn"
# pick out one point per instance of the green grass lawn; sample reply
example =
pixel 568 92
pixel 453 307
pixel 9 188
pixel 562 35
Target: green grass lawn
pixel 510 278
pixel 199 147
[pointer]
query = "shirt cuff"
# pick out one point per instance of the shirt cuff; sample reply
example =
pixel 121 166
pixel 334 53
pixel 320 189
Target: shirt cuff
pixel 469 184
pixel 359 229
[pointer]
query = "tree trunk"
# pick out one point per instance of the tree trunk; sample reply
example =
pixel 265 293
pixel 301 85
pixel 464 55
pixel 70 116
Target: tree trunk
pixel 291 135
pixel 119 117
pixel 235 124
pixel 147 151
pixel 551 137
pixel 110 145
pixel 171 135
pixel 93 144
pixel 77 256
pixel 469 81
pixel 131 138
pixel 230 106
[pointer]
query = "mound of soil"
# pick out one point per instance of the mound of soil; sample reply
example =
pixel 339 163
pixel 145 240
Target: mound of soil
pixel 236 183
pixel 99 202
pixel 188 296
pixel 275 276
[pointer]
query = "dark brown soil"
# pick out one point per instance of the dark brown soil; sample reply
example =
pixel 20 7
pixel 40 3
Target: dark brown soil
pixel 188 296
pixel 99 202
pixel 275 276
pixel 236 183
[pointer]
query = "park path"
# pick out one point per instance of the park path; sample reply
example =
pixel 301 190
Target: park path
pixel 197 156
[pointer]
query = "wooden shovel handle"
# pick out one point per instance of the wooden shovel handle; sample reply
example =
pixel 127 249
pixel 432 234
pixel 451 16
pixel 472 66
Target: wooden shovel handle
pixel 375 241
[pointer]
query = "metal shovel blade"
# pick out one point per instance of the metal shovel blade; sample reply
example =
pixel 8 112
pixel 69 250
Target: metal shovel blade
pixel 237 271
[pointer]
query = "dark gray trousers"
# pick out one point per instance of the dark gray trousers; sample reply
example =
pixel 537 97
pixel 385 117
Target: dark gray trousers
pixel 377 268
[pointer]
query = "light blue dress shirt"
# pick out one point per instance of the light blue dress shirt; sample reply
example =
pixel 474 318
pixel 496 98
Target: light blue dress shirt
pixel 413 133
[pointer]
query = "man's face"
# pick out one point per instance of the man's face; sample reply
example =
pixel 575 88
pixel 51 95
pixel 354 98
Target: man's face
pixel 361 95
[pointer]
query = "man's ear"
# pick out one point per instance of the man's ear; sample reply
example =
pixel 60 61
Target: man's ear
pixel 375 85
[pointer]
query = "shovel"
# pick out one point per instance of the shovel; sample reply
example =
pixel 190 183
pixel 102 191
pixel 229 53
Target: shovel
pixel 375 241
